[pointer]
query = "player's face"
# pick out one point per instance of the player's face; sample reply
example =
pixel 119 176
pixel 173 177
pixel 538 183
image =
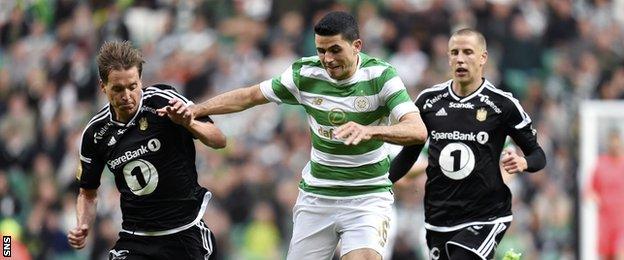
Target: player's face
pixel 466 58
pixel 338 56
pixel 123 90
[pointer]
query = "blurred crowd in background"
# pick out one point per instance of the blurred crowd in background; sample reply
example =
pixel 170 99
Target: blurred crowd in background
pixel 551 54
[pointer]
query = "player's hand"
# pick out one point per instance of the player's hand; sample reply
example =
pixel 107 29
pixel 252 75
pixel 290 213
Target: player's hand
pixel 178 112
pixel 353 133
pixel 77 236
pixel 513 163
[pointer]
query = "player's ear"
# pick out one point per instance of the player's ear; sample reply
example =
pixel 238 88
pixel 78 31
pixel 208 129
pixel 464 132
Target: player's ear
pixel 484 57
pixel 357 46
pixel 102 87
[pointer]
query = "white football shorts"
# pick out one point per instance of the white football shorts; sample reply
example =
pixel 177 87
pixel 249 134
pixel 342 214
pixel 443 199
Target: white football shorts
pixel 356 222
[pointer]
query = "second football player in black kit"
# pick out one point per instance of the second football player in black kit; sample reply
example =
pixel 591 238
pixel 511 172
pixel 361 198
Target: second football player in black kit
pixel 152 158
pixel 467 204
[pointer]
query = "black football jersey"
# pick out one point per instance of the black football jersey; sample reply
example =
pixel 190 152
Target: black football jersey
pixel 153 163
pixel 466 137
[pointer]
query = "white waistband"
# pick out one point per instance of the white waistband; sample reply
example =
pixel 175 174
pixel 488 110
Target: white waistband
pixel 200 214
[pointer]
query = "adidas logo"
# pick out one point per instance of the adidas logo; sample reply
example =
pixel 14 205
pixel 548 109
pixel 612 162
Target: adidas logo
pixel 441 112
pixel 112 141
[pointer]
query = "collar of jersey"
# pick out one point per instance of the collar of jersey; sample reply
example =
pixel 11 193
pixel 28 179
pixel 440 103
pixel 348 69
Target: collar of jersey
pixel 469 97
pixel 353 77
pixel 131 121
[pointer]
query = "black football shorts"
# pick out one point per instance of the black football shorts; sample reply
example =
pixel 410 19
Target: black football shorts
pixel 196 242
pixel 478 239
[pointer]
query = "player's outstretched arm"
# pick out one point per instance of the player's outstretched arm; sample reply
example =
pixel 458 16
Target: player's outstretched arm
pixel 230 102
pixel 206 132
pixel 85 212
pixel 409 131
pixel 404 161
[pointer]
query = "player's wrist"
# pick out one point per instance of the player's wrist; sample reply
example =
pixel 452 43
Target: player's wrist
pixel 377 132
pixel 192 124
pixel 524 165
pixel 194 109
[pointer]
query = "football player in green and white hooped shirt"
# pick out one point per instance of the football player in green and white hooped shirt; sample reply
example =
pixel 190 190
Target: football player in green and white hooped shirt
pixel 345 194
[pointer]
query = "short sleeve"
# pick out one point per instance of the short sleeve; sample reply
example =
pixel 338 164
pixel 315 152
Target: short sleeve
pixel 91 164
pixel 281 89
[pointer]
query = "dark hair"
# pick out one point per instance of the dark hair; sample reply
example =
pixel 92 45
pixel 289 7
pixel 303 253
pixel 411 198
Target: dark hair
pixel 117 56
pixel 335 23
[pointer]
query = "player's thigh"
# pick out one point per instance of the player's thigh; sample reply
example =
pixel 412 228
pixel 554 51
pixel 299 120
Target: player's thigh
pixel 455 252
pixel 481 240
pixel 365 225
pixel 436 242
pixel 362 254
pixel 314 230
pixel 312 242
pixel 131 247
pixel 197 242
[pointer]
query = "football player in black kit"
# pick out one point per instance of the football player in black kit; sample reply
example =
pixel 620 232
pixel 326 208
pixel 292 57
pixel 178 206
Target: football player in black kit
pixel 467 204
pixel 152 158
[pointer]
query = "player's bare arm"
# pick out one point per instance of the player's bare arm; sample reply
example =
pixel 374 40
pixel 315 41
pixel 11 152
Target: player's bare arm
pixel 85 211
pixel 230 102
pixel 409 131
pixel 206 132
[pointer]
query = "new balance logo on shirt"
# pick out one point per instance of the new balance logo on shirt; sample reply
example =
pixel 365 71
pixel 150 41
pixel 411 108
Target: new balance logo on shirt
pixel 441 112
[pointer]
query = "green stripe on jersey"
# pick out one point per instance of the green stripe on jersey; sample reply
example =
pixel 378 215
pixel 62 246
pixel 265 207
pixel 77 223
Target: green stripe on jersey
pixel 349 173
pixel 345 191
pixel 398 98
pixel 372 75
pixel 362 88
pixel 283 93
pixel 339 117
pixel 339 148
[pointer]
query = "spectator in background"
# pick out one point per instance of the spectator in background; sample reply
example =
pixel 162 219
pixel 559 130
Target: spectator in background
pixel 606 189
pixel 15 29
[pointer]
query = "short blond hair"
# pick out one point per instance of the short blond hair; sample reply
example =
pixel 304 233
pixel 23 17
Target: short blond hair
pixel 473 32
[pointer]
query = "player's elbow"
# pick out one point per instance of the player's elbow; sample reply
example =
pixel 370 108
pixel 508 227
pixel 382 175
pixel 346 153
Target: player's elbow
pixel 422 136
pixel 220 143
pixel 215 141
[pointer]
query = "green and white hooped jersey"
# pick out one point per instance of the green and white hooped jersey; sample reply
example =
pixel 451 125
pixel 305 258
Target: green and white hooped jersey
pixel 370 97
